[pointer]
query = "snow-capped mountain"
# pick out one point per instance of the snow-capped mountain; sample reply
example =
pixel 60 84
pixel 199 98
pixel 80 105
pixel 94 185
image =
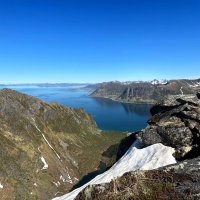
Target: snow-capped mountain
pixel 159 82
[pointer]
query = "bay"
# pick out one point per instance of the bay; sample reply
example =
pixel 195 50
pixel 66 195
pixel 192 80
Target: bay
pixel 108 114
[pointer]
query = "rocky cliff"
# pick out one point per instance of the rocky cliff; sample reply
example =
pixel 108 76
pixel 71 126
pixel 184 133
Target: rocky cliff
pixel 45 148
pixel 146 92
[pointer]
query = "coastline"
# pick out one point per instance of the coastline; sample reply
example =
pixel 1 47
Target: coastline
pixel 125 102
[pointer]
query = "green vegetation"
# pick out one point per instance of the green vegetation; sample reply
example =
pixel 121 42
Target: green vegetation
pixel 66 138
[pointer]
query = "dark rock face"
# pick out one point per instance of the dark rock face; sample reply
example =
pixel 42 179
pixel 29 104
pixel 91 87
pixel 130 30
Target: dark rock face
pixel 176 123
pixel 146 92
pixel 110 89
pixel 32 131
pixel 198 95
pixel 179 181
pixel 125 144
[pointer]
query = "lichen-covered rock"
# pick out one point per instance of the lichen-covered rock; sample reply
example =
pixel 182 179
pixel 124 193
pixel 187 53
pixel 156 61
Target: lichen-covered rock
pixel 176 123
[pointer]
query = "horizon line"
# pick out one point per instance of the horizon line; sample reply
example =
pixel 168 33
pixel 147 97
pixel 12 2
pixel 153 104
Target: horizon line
pixel 81 83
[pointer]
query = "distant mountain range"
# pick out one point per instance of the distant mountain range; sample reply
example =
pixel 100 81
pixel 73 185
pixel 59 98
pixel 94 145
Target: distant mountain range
pixel 47 84
pixel 146 91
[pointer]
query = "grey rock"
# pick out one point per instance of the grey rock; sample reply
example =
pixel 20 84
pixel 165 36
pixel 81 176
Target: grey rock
pixel 177 125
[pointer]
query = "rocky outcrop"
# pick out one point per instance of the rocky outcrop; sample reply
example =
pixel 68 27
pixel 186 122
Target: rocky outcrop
pixel 45 148
pixel 146 92
pixel 176 123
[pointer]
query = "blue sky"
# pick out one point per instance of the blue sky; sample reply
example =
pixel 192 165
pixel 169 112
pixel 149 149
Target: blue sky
pixel 98 40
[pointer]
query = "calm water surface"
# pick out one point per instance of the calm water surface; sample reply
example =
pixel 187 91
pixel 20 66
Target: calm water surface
pixel 108 114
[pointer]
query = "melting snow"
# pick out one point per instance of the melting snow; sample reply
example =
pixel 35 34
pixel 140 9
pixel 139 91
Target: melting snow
pixel 67 180
pixel 197 84
pixel 157 82
pixel 35 184
pixel 45 139
pixel 148 158
pixel 50 146
pixel 57 184
pixel 181 90
pixel 45 163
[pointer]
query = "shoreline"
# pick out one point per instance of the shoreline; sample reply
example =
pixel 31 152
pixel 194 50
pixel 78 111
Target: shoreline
pixel 125 102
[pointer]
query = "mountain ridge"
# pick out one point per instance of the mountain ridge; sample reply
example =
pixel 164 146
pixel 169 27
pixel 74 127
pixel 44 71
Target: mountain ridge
pixel 45 147
pixel 146 91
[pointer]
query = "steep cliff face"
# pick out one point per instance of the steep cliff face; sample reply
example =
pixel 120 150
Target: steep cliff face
pixel 146 92
pixel 45 148
pixel 111 90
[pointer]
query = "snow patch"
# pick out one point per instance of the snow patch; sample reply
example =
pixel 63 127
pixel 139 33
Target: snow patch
pixel 45 139
pixel 159 82
pixel 50 145
pixel 197 84
pixel 76 179
pixel 148 158
pixel 181 91
pixel 44 162
pixel 57 184
pixel 66 180
pixel 1 186
pixel 35 184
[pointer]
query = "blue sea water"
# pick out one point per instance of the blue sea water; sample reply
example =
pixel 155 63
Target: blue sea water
pixel 108 114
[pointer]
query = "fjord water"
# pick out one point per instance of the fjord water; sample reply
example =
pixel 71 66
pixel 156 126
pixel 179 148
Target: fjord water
pixel 108 114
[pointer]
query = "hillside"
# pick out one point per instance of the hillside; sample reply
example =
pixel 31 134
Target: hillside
pixel 45 147
pixel 162 160
pixel 146 92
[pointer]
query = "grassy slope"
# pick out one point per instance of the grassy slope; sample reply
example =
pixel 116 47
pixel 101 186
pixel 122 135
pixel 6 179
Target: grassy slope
pixel 71 132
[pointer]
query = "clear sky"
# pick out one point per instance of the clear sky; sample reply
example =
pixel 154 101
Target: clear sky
pixel 98 40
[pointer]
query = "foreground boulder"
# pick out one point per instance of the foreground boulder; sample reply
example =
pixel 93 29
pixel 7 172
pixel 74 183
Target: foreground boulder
pixel 175 123
pixel 45 148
